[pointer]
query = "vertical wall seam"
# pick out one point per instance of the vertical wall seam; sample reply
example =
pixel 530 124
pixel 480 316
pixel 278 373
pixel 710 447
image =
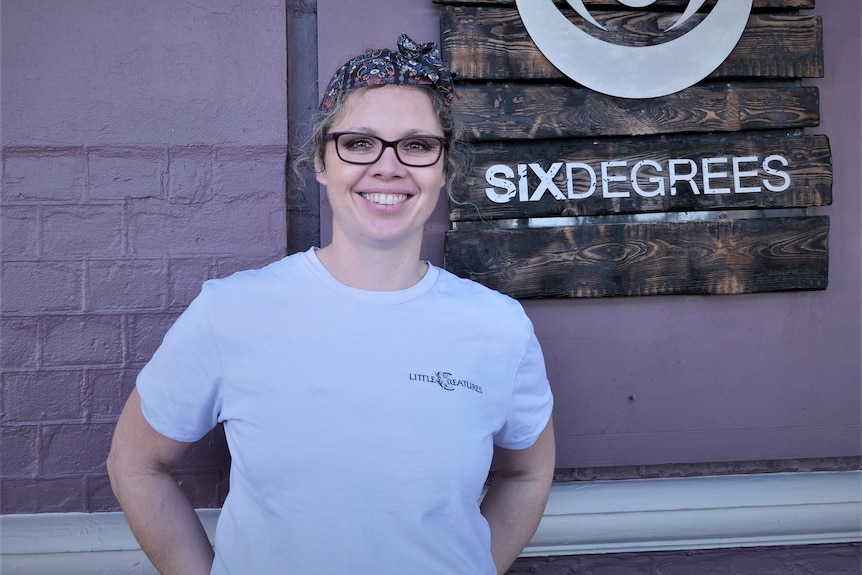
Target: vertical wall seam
pixel 302 197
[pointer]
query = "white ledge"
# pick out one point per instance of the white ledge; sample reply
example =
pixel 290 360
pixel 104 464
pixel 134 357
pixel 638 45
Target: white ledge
pixel 701 513
pixel 581 518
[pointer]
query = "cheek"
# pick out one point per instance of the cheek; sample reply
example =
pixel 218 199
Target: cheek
pixel 440 181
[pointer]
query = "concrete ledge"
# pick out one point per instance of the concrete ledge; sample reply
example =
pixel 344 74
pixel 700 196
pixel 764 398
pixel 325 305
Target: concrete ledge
pixel 76 544
pixel 581 518
pixel 701 513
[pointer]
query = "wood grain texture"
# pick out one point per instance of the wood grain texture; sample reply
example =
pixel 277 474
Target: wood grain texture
pixel 545 147
pixel 685 257
pixel 481 43
pixel 809 170
pixel 517 111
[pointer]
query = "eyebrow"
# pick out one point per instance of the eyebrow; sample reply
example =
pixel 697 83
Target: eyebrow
pixel 372 132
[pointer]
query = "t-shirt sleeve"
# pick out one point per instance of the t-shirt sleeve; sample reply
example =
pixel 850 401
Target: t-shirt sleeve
pixel 180 387
pixel 532 401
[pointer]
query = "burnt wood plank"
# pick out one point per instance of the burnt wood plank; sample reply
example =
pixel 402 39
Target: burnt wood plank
pixel 483 44
pixel 769 172
pixel 685 257
pixel 518 111
pixel 777 47
pixel 666 4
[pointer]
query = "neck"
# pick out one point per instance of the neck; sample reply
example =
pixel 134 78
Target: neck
pixel 373 269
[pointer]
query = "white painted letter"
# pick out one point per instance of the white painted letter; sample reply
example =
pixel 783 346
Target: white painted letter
pixel 571 167
pixel 523 190
pixel 659 189
pixel 707 175
pixel 491 176
pixel 606 179
pixel 773 172
pixel 689 177
pixel 547 181
pixel 738 175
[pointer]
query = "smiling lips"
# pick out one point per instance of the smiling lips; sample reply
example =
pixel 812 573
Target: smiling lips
pixel 385 199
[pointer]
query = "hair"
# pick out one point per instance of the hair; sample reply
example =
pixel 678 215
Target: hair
pixel 455 154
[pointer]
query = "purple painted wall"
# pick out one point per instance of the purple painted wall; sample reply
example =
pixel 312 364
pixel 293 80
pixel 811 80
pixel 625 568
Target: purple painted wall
pixel 143 148
pixel 143 152
pixel 751 377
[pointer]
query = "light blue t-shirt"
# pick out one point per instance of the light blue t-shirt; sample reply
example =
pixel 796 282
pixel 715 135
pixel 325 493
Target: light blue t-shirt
pixel 361 424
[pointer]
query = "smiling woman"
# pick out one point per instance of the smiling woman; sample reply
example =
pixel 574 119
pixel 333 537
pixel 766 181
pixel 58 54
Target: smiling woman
pixel 313 364
pixel 380 204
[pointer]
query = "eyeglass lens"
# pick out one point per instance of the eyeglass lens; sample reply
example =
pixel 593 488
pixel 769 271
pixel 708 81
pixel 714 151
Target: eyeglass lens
pixel 415 151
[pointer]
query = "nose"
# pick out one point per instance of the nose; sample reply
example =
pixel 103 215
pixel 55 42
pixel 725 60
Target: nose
pixel 388 162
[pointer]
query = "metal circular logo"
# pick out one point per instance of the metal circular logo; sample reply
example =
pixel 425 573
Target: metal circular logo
pixel 635 71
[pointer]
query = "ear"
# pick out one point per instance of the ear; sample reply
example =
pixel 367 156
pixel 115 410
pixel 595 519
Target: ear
pixel 319 171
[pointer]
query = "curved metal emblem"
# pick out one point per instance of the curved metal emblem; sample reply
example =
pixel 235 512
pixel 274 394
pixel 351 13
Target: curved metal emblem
pixel 635 71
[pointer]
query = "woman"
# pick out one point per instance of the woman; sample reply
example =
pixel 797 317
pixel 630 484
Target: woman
pixel 362 390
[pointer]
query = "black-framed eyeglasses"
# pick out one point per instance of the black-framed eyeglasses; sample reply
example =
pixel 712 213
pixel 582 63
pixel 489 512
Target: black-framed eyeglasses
pixel 415 151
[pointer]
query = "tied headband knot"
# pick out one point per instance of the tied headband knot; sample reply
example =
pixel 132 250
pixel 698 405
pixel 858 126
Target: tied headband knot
pixel 413 64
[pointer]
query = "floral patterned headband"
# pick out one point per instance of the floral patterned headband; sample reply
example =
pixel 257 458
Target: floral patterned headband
pixel 413 64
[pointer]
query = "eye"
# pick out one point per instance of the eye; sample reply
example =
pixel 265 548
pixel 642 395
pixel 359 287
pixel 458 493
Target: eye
pixel 419 145
pixel 358 142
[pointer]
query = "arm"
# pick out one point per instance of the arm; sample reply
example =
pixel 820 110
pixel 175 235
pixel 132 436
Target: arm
pixel 160 515
pixel 516 499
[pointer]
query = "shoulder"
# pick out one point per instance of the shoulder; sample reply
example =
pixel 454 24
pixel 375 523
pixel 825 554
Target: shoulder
pixel 469 288
pixel 473 298
pixel 251 282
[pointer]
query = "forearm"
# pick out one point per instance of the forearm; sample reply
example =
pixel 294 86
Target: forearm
pixel 515 502
pixel 513 507
pixel 160 515
pixel 164 522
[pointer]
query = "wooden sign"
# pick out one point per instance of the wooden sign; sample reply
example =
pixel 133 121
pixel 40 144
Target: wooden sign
pixel 574 193
pixel 587 177
pixel 492 44
pixel 730 256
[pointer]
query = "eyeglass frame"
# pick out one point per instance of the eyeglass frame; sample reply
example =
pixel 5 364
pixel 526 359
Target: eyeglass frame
pixel 334 136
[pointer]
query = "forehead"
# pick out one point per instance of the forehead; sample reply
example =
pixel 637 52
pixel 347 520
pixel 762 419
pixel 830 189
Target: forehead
pixel 395 106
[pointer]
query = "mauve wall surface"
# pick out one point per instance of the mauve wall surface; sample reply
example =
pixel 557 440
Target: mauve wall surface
pixel 735 378
pixel 679 379
pixel 143 148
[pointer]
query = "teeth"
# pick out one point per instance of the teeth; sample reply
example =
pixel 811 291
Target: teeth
pixel 385 199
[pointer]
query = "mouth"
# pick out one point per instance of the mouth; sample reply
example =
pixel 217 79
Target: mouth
pixel 385 199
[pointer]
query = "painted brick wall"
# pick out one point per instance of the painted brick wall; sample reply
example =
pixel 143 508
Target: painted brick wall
pixel 116 205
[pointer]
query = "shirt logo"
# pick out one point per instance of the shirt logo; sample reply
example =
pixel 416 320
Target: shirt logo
pixel 445 380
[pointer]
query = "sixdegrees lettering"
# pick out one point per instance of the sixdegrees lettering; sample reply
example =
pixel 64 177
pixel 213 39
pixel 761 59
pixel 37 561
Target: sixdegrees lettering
pixel 530 182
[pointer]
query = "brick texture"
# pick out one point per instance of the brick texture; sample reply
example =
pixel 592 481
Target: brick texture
pixel 102 248
pixel 19 234
pixel 41 286
pixel 137 163
pixel 53 175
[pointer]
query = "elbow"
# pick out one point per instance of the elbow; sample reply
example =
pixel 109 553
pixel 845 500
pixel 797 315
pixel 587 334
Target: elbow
pixel 114 468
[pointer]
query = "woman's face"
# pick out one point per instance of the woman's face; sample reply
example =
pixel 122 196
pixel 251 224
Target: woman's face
pixel 385 203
